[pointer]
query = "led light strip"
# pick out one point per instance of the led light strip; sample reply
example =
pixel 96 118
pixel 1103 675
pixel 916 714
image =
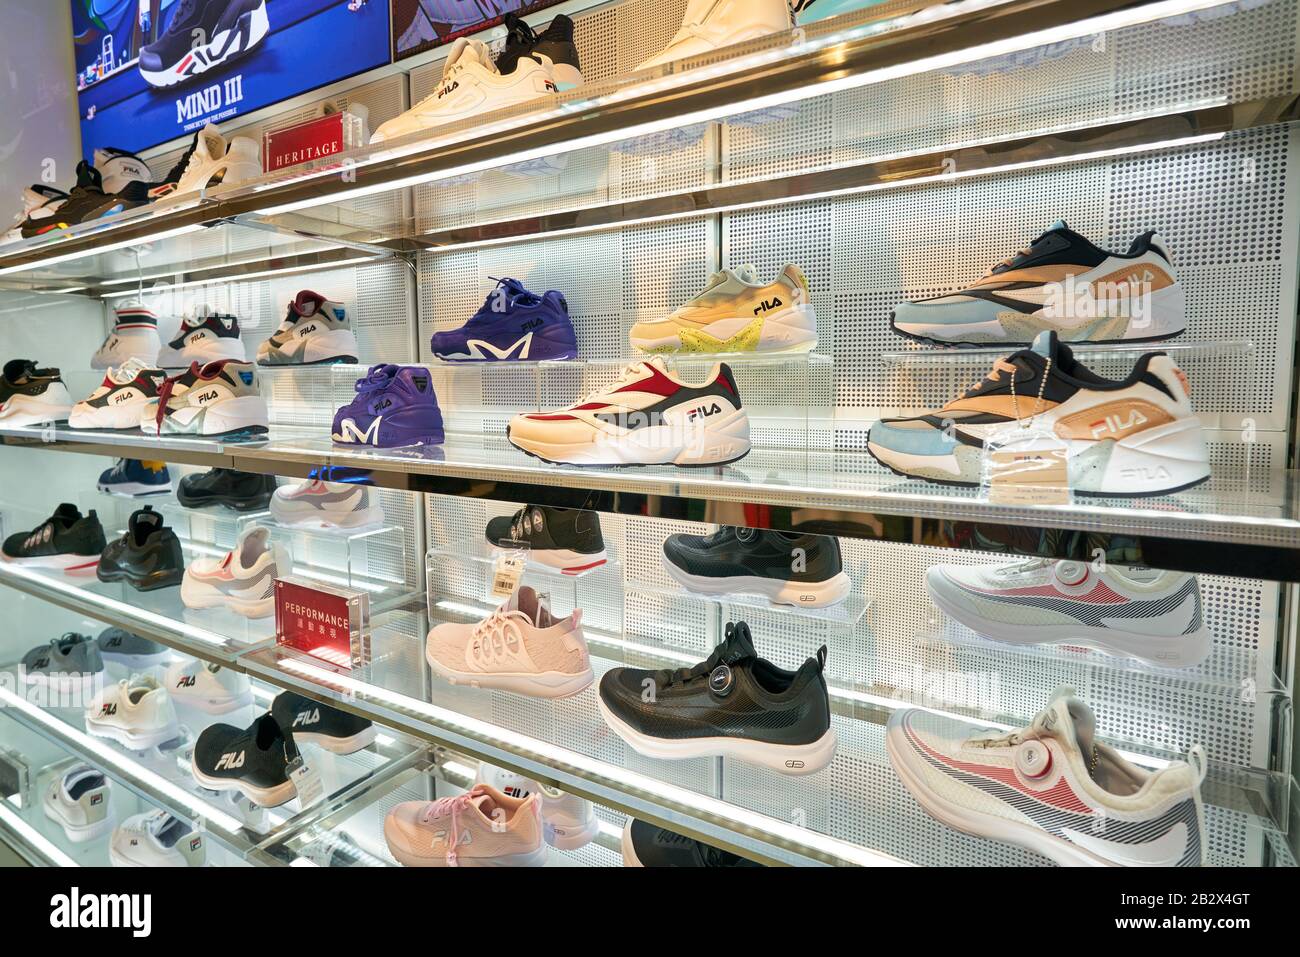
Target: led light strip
pixel 11 819
pixel 101 250
pixel 631 780
pixel 262 274
pixel 1130 16
pixel 125 767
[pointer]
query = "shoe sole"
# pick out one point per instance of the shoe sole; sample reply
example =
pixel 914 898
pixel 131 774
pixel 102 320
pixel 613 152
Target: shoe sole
pixel 135 741
pixel 800 594
pixel 565 560
pixel 793 759
pixel 349 745
pixel 150 582
pixel 262 797
pixel 721 443
pixel 550 684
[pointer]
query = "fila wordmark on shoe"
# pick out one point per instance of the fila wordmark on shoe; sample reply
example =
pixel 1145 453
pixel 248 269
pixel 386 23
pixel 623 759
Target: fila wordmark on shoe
pixel 1126 437
pixel 472 87
pixel 220 398
pixel 736 312
pixel 648 416
pixel 1052 787
pixel 205 336
pixel 117 403
pixel 315 331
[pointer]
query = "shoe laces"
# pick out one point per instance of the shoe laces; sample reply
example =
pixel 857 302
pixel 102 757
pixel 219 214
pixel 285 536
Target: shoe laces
pixel 498 636
pixel 452 807
pixel 128 371
pixel 183 10
pixel 995 373
pixel 376 380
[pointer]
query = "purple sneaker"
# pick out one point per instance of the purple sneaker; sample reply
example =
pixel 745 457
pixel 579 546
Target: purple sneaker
pixel 394 406
pixel 512 323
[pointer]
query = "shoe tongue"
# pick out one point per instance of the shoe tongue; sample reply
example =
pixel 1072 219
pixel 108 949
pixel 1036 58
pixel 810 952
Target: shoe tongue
pixel 307 303
pixel 146 519
pixel 211 143
pixel 67 512
pixel 1048 345
pixel 1068 719
pixel 466 50
pixel 658 363
pixel 738 644
pixel 747 273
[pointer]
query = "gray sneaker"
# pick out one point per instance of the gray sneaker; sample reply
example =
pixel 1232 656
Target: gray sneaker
pixel 120 647
pixel 66 664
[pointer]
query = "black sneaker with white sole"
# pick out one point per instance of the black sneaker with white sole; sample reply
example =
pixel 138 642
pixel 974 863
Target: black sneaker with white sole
pixel 565 538
pixel 785 567
pixel 67 540
pixel 147 556
pixel 242 491
pixel 734 705
pixel 254 760
pixel 314 723
pixel 201 36
pixel 647 845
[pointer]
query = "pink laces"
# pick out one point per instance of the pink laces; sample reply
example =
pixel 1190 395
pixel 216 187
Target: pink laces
pixel 453 806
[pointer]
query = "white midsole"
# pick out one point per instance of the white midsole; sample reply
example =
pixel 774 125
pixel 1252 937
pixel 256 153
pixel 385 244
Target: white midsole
pixel 65 561
pixel 54 405
pixel 545 684
pixel 718 442
pixel 801 594
pixel 80 833
pixel 795 759
pixel 349 745
pixel 565 559
pixel 211 705
pixel 125 415
pixel 135 740
pixel 292 516
pixel 570 837
pixel 199 594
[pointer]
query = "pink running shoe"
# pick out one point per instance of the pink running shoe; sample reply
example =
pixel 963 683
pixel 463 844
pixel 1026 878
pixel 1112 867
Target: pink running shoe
pixel 480 828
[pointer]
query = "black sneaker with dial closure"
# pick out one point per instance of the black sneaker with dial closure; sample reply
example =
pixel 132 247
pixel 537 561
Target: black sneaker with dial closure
pixel 242 491
pixel 253 760
pixel 733 705
pixel 67 540
pixel 312 722
pixel 565 538
pixel 147 556
pixel 647 845
pixel 785 567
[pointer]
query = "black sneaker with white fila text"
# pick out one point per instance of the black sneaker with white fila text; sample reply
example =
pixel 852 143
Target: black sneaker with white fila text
pixel 254 760
pixel 648 416
pixel 314 723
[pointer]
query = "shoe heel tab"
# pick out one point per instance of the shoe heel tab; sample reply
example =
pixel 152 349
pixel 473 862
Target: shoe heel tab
pixel 797 277
pixel 728 381
pixel 1162 372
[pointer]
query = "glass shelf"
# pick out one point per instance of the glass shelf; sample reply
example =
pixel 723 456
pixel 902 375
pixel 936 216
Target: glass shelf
pixel 1244 523
pixel 981 357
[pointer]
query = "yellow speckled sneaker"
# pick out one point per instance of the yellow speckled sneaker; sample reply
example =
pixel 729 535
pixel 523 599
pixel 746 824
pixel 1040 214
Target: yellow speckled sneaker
pixel 737 313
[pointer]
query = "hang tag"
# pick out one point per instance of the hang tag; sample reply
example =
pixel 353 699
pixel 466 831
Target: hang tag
pixel 307 780
pixel 507 571
pixel 1026 467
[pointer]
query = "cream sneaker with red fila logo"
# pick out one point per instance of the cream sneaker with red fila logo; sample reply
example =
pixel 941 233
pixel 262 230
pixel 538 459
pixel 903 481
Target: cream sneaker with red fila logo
pixel 648 416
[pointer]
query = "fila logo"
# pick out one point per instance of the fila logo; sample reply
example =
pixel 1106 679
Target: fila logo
pixel 1114 424
pixel 122 397
pixel 114 642
pixel 96 799
pixel 187 681
pixel 1144 473
pixel 306 331
pixel 196 843
pixel 197 337
pixel 454 85
pixel 307 717
pixel 531 324
pixel 207 396
pixel 109 708
pixel 794 763
pixel 230 760
pixel 479 349
pixel 703 412
pixel 350 433
pixel 40 664
pixel 767 304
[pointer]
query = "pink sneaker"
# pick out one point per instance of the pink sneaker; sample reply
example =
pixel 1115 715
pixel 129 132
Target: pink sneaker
pixel 520 647
pixel 480 828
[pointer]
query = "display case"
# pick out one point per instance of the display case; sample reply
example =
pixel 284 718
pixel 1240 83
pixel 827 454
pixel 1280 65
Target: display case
pixel 892 663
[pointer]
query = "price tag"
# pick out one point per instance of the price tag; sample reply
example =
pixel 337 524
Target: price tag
pixel 307 780
pixel 1026 467
pixel 507 571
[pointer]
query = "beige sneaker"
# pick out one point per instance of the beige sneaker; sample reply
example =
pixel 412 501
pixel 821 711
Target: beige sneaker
pixel 480 828
pixel 737 312
pixel 520 647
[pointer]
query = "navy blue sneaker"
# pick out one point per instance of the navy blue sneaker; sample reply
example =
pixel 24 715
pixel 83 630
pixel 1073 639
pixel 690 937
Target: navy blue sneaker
pixel 135 478
pixel 395 406
pixel 512 323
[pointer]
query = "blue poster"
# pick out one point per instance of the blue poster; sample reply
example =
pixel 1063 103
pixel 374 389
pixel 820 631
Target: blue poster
pixel 149 71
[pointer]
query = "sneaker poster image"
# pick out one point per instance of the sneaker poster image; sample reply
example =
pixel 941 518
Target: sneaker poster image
pixel 149 71
pixel 420 25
